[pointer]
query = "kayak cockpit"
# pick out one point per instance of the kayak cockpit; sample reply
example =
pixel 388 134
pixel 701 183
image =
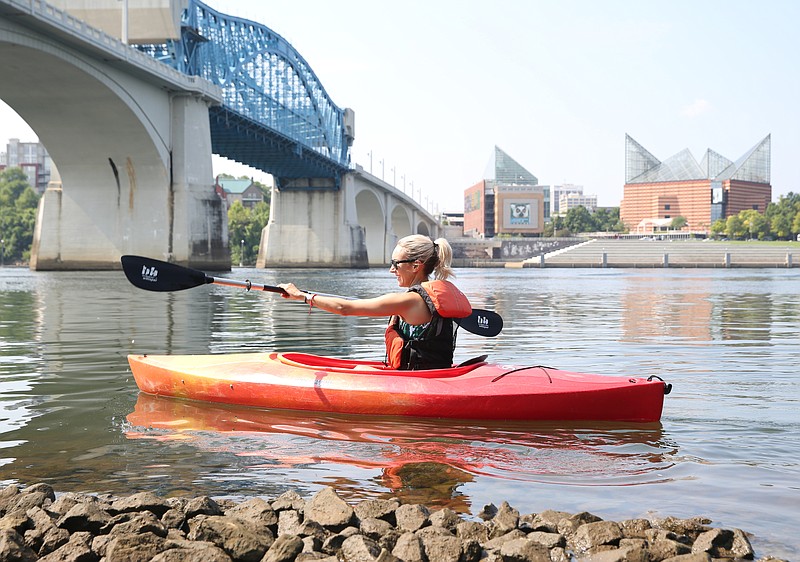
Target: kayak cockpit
pixel 333 364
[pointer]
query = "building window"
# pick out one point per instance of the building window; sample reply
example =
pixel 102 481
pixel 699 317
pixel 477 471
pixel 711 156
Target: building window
pixel 667 217
pixel 755 207
pixel 666 208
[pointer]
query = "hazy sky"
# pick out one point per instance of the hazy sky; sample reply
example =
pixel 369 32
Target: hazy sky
pixel 435 85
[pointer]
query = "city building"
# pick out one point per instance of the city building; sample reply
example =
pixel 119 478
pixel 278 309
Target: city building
pixel 656 192
pixel 243 190
pixel 509 200
pixel 32 158
pixel 569 201
pixel 558 191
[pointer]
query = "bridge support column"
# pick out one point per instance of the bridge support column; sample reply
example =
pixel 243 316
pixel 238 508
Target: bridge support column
pixel 125 194
pixel 312 224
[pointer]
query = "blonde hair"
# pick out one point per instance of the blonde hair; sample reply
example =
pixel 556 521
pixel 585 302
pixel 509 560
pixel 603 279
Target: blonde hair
pixel 436 256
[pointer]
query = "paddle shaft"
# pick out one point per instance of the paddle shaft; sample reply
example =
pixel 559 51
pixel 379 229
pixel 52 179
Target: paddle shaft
pixel 249 285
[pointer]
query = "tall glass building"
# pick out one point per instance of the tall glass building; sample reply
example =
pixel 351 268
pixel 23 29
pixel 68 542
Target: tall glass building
pixel 701 192
pixel 509 200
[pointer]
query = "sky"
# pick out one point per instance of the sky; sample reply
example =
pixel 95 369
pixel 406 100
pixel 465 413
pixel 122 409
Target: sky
pixel 556 84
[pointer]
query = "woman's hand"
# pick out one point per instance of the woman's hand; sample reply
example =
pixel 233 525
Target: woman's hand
pixel 292 292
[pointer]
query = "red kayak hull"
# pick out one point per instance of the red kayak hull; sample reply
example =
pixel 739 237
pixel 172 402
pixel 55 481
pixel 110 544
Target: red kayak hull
pixel 296 381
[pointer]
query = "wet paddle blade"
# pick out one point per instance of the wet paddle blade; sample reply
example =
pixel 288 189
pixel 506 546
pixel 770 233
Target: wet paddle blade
pixel 157 275
pixel 482 323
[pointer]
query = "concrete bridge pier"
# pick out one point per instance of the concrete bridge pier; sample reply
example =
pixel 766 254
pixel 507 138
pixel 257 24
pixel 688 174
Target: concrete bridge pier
pixel 121 196
pixel 313 224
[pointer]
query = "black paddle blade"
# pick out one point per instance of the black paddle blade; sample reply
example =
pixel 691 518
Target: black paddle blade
pixel 482 323
pixel 157 275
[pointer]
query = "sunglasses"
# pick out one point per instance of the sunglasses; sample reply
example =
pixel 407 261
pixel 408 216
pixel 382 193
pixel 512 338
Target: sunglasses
pixel 395 263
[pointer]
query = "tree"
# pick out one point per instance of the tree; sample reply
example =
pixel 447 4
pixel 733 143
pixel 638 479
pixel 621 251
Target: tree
pixel 734 227
pixel 18 204
pixel 678 223
pixel 719 227
pixel 579 219
pixel 246 224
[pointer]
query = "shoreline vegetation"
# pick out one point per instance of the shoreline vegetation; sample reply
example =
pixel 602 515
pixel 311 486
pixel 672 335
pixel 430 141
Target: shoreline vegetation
pixel 36 524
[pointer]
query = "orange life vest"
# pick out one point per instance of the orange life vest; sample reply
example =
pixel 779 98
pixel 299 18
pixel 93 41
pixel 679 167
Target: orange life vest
pixel 433 348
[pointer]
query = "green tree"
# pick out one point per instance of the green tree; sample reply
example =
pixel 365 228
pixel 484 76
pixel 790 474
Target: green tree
pixel 607 220
pixel 734 227
pixel 579 219
pixel 18 204
pixel 678 223
pixel 719 227
pixel 244 231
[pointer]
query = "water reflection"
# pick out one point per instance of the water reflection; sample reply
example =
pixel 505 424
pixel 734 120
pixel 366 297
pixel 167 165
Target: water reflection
pixel 414 458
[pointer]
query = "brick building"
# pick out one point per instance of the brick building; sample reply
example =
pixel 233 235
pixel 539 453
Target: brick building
pixel 703 192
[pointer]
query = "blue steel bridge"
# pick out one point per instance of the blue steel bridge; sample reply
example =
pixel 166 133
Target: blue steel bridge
pixel 276 116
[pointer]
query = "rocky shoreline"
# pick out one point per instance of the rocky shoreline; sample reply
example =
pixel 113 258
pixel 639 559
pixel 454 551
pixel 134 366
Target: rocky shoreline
pixel 37 525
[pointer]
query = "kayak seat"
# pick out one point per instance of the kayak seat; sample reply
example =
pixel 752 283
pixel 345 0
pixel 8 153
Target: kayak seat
pixel 473 361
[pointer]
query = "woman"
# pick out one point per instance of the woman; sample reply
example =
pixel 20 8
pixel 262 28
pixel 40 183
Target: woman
pixel 420 334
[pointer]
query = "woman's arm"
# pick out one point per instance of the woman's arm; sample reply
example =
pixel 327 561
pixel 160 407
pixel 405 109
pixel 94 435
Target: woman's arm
pixel 408 305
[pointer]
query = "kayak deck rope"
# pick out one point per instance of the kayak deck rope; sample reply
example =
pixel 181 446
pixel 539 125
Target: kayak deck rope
pixel 542 367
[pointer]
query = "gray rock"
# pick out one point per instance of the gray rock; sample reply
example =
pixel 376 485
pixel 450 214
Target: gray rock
pixel 446 518
pixel 17 521
pixel 232 535
pixel 359 548
pixel 257 511
pixel 136 523
pixel 24 501
pixel 440 544
pixel 202 505
pixel 143 501
pixel 548 540
pixel 289 522
pixel 411 517
pixel 329 510
pixel 375 528
pixel 724 543
pixel 497 542
pixel 592 535
pixel 85 516
pixel 13 547
pixel 377 509
pixel 694 557
pixel 197 552
pixel 46 489
pixel 52 540
pixel 284 549
pixel 472 530
pixel 7 494
pixel 548 520
pixel 133 548
pixel 524 550
pixel 692 527
pixel 289 500
pixel 635 528
pixel 409 548
pixel 618 555
pixel 665 548
pixel 173 518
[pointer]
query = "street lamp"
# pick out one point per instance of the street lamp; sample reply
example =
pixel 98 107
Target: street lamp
pixel 241 255
pixel 2 252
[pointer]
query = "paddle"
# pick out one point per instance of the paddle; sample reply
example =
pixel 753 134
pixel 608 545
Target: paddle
pixel 157 275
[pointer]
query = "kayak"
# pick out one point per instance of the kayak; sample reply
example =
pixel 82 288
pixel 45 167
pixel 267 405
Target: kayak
pixel 473 390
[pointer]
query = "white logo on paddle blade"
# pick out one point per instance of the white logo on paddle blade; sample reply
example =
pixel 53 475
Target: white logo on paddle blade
pixel 483 322
pixel 149 274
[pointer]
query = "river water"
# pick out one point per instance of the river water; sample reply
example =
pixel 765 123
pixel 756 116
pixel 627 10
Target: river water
pixel 727 446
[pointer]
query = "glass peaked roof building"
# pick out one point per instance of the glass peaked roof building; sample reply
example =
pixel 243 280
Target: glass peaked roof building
pixel 504 170
pixel 701 192
pixel 643 167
